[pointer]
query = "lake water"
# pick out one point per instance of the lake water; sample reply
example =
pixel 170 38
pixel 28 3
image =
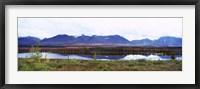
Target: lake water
pixel 102 57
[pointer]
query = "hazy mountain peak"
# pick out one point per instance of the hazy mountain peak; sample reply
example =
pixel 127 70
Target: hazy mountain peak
pixel 61 35
pixel 27 41
pixel 65 40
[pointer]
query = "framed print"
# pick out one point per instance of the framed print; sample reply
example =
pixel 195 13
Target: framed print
pixel 104 44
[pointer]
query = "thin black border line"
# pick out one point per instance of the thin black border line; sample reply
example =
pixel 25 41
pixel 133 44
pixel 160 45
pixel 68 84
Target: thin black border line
pixel 17 44
pixel 99 17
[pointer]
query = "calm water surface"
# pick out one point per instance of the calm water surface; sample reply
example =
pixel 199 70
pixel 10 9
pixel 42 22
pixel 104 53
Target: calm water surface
pixel 101 57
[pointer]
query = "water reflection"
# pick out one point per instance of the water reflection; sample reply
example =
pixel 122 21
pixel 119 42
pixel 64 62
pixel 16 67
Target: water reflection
pixel 102 57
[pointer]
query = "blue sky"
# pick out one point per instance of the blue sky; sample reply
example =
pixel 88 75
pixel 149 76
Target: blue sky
pixel 130 28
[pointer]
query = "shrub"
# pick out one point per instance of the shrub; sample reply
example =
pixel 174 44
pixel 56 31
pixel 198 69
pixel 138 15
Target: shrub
pixel 173 56
pixel 95 58
pixel 35 52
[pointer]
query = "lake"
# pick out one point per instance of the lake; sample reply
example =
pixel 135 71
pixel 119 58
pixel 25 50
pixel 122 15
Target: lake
pixel 102 57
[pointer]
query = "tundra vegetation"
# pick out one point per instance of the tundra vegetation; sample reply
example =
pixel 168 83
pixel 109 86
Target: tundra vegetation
pixel 98 65
pixel 35 62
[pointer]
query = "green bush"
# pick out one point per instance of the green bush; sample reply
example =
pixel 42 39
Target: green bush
pixel 173 56
pixel 35 52
pixel 95 56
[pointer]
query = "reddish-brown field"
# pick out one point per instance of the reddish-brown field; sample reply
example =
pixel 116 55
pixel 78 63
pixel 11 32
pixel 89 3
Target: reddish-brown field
pixel 108 50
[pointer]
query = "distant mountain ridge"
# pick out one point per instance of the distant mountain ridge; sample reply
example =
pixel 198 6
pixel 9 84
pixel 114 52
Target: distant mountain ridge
pixel 162 41
pixel 117 40
pixel 27 41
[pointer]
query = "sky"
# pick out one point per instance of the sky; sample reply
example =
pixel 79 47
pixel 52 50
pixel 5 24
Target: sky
pixel 129 28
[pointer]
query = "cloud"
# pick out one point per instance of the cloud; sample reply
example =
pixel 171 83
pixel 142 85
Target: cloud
pixel 130 28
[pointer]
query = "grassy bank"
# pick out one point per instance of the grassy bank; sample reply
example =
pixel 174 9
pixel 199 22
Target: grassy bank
pixel 98 65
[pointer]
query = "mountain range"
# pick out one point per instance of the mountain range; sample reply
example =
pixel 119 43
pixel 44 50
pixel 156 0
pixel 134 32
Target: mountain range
pixel 116 40
pixel 27 41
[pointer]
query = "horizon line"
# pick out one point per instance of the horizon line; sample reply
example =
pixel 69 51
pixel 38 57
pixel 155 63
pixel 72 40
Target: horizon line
pixel 95 35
